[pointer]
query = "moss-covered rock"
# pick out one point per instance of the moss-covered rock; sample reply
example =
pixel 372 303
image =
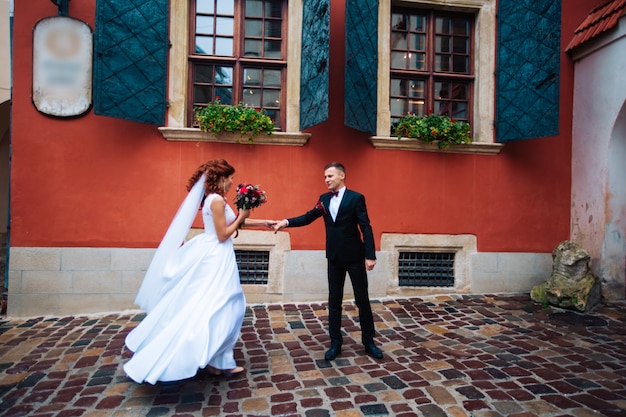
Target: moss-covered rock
pixel 572 284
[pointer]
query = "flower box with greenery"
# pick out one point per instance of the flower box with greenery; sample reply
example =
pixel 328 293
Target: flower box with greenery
pixel 247 121
pixel 433 128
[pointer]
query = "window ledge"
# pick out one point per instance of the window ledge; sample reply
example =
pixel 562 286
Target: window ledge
pixel 178 134
pixel 408 144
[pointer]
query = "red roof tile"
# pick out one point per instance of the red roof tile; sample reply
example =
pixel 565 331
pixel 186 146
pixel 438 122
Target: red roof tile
pixel 599 20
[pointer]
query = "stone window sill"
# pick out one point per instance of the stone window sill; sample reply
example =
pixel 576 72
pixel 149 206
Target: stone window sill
pixel 196 135
pixel 408 144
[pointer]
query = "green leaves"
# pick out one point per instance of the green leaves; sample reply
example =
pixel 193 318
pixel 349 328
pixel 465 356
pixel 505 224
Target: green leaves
pixel 433 128
pixel 246 121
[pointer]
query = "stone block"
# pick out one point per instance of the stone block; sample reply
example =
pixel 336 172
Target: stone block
pixel 35 259
pixel 97 282
pixel 86 259
pixel 127 259
pixel 46 282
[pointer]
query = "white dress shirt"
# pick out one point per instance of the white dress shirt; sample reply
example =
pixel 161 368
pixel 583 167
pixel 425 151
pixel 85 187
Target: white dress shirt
pixel 335 201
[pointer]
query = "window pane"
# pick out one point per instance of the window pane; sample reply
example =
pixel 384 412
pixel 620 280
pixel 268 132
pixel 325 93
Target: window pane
pixel 204 6
pixel 418 61
pixel 398 21
pixel 398 106
pixel 202 94
pixel 273 28
pixel 251 97
pixel 224 26
pixel 395 89
pixel 274 114
pixel 440 108
pixel 271 78
pixel 441 90
pixel 272 49
pixel 271 98
pixel 252 48
pixel 417 107
pixel 399 41
pixel 204 24
pixel 442 63
pixel 418 23
pixel 224 75
pixel 459 91
pixel 454 110
pixel 224 46
pixel 273 8
pixel 442 44
pixel 398 60
pixel 416 88
pixel 459 110
pixel 252 77
pixel 460 45
pixel 442 25
pixel 204 74
pixel 225 95
pixel 460 64
pixel 460 27
pixel 418 42
pixel 226 7
pixel 253 28
pixel 204 45
pixel 254 8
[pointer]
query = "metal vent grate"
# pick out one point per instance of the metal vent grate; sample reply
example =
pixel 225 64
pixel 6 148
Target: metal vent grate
pixel 253 266
pixel 426 269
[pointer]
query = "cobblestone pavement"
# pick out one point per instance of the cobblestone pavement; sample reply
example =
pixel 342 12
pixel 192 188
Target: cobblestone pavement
pixel 453 355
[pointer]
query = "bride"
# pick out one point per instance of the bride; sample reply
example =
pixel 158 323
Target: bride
pixel 191 293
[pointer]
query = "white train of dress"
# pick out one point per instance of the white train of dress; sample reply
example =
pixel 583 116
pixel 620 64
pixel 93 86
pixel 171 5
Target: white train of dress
pixel 198 318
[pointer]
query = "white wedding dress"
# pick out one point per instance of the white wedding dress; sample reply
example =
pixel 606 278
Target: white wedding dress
pixel 197 319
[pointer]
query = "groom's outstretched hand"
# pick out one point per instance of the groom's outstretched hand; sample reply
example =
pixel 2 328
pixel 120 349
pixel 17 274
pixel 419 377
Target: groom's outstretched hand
pixel 279 224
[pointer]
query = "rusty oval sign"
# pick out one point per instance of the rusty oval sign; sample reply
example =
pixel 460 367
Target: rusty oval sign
pixel 62 66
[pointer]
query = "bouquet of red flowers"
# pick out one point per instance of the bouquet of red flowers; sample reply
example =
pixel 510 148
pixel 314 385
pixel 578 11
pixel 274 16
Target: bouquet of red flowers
pixel 249 196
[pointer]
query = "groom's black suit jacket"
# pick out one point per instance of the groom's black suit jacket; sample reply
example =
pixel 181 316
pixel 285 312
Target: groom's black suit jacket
pixel 344 241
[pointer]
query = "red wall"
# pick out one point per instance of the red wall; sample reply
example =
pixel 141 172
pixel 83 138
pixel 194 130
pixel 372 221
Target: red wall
pixel 102 182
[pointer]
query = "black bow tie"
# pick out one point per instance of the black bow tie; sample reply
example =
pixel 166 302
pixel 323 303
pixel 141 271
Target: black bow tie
pixel 334 193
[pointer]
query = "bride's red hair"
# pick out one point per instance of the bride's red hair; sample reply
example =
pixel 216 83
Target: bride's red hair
pixel 215 170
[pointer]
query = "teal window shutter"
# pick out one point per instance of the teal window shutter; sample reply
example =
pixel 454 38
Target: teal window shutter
pixel 130 59
pixel 314 63
pixel 528 68
pixel 361 67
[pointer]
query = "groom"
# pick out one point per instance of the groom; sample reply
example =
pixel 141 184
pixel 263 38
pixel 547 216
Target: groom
pixel 344 214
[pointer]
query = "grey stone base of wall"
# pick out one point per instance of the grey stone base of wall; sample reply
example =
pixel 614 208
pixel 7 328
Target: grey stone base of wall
pixel 69 281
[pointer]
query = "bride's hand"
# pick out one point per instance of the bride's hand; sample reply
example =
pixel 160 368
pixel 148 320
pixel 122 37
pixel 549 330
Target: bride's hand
pixel 244 213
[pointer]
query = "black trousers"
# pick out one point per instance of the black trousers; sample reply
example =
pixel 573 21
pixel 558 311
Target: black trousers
pixel 336 279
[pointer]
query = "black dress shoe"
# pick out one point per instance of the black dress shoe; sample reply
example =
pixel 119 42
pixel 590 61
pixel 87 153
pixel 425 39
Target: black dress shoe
pixel 332 352
pixel 372 350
